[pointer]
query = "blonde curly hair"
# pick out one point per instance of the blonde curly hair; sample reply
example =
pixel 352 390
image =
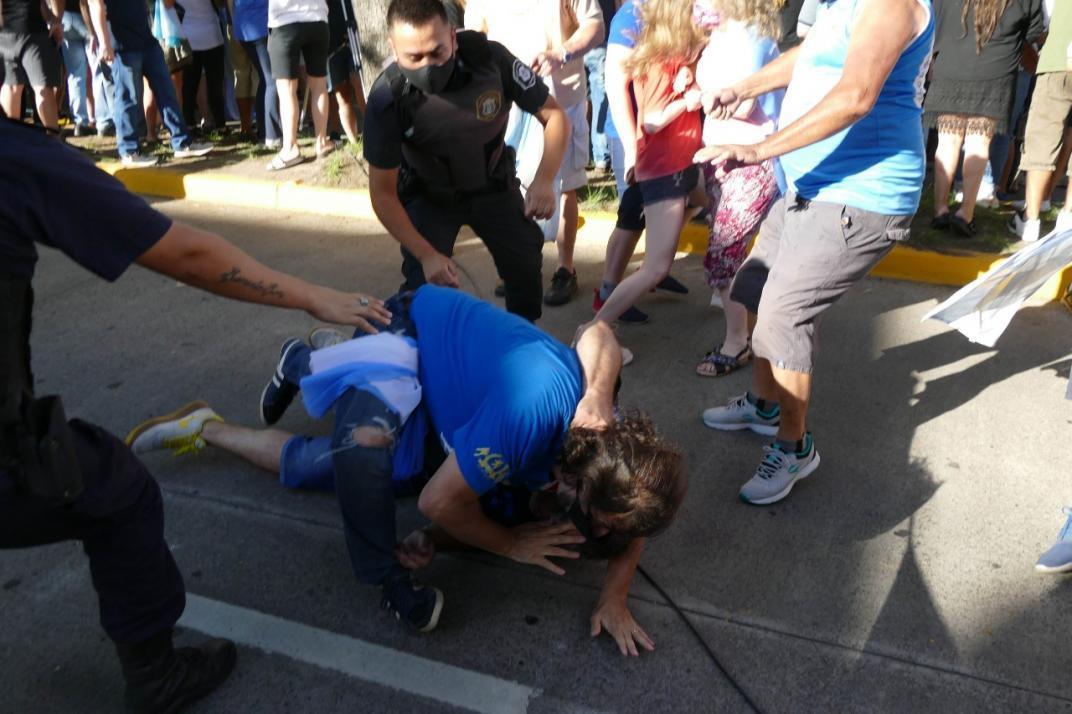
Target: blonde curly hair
pixel 668 36
pixel 763 15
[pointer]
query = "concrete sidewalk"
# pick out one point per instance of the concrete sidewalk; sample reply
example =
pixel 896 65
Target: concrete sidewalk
pixel 898 578
pixel 904 262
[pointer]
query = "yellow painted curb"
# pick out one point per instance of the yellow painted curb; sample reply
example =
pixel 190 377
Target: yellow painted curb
pixel 903 262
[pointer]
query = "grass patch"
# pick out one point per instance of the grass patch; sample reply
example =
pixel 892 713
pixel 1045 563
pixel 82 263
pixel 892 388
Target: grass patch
pixel 343 163
pixel 993 235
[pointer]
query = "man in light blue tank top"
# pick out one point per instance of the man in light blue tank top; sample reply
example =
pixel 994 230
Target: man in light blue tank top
pixel 851 144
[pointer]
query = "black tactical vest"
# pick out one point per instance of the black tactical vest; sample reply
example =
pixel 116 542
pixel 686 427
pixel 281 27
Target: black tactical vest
pixel 453 141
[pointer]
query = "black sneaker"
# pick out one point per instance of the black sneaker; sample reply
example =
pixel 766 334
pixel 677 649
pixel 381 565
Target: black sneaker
pixel 632 316
pixel 163 680
pixel 278 393
pixel 563 287
pixel 672 285
pixel 413 604
pixel 82 130
pixel 963 228
pixel 108 130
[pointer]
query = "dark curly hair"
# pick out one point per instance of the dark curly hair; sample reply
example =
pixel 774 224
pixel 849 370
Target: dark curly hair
pixel 628 473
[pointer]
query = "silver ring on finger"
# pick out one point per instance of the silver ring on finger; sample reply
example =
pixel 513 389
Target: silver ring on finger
pixel 364 302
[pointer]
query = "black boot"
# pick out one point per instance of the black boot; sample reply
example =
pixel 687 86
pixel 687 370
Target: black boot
pixel 162 679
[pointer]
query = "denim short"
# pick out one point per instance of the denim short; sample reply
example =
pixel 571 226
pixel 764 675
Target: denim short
pixel 676 185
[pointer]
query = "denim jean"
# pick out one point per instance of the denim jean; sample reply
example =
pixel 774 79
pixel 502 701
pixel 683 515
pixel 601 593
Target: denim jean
pixel 127 71
pixel 75 36
pixel 594 61
pixel 74 59
pixel 268 127
pixel 999 145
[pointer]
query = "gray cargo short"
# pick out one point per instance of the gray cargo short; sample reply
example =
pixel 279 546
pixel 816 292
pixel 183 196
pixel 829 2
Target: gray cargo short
pixel 808 254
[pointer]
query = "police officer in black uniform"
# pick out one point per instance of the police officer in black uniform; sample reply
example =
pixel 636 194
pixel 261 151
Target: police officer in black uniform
pixel 434 132
pixel 71 480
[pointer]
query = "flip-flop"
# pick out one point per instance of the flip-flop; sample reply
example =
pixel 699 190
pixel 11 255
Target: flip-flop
pixel 278 163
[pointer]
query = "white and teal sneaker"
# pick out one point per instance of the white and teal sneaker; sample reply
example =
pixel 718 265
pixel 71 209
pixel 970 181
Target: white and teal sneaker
pixel 739 413
pixel 1058 559
pixel 778 472
pixel 179 431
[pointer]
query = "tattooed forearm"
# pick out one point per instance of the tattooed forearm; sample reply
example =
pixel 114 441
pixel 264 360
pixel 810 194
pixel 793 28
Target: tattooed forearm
pixel 234 275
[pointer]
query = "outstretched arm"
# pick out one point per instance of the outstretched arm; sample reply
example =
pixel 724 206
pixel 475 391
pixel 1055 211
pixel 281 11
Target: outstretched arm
pixel 540 197
pixel 882 32
pixel 209 262
pixel 612 612
pixel 450 502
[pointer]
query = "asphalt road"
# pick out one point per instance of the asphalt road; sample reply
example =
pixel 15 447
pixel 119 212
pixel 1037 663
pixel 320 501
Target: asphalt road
pixel 899 577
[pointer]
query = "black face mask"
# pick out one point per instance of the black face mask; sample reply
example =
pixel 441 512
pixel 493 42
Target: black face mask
pixel 431 78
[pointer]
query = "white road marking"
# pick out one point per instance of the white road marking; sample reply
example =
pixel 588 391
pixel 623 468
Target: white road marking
pixel 357 658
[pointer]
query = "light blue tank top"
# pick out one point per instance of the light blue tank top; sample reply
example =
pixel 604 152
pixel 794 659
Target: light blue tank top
pixel 878 163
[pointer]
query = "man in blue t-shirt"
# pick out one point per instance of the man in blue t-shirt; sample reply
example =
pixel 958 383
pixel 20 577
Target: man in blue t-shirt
pixel 522 429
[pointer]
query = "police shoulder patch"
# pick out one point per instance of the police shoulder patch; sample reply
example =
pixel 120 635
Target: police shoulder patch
pixel 523 75
pixel 488 105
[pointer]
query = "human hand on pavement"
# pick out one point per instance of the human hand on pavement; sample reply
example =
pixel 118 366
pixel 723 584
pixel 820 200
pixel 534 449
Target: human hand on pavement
pixel 354 309
pixel 535 543
pixel 612 614
pixel 416 551
pixel 440 270
pixel 540 200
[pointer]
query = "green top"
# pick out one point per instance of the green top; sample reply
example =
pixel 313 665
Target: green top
pixel 1052 57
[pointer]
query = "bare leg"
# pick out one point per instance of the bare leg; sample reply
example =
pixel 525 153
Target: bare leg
pixel 245 115
pixel 567 230
pixel 152 118
pixel 45 98
pixel 1037 183
pixel 318 88
pixel 976 157
pixel 11 100
pixel 260 447
pixel 664 225
pixel 794 394
pixel 620 249
pixel 946 158
pixel 288 116
pixel 763 384
pixel 347 115
pixel 736 324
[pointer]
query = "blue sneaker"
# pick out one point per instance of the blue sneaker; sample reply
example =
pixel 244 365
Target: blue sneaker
pixel 278 393
pixel 413 604
pixel 1058 559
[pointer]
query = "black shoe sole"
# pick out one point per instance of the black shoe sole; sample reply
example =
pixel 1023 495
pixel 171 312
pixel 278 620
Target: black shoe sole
pixel 223 663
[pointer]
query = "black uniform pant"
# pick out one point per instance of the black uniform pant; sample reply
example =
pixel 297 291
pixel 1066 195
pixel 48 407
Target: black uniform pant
pixel 120 520
pixel 514 241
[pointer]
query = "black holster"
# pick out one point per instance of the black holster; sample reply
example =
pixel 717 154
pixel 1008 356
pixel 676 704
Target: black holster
pixel 36 443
